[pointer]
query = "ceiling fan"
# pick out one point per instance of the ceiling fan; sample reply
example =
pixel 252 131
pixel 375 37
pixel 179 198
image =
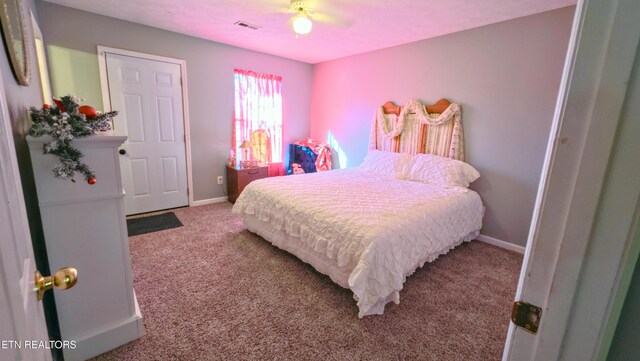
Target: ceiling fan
pixel 301 23
pixel 306 11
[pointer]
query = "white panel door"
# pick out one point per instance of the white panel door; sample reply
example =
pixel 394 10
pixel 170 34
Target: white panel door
pixel 21 315
pixel 148 95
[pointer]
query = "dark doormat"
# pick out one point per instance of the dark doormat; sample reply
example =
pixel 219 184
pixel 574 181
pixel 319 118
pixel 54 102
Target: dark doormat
pixel 159 222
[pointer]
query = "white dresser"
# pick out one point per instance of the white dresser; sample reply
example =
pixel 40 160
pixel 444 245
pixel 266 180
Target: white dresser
pixel 85 227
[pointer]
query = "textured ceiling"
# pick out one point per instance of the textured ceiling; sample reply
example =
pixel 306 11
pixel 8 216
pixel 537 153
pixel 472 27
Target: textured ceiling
pixel 340 27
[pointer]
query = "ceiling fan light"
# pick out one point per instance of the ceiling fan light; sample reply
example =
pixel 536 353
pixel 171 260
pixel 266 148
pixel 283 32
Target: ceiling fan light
pixel 302 25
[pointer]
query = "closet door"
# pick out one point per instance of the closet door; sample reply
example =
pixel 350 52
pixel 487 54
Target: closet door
pixel 148 95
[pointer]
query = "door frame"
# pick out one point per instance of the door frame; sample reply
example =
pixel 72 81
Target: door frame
pixel 587 271
pixel 106 100
pixel 41 57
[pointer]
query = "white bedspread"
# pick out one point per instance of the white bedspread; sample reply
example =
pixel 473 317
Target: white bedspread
pixel 382 229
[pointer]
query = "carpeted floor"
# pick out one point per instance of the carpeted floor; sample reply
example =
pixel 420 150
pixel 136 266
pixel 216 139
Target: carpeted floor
pixel 211 290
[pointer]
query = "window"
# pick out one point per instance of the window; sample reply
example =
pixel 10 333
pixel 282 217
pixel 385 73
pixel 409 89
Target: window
pixel 258 115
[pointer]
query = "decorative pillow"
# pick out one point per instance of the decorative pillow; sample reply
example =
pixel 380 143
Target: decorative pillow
pixel 386 163
pixel 446 172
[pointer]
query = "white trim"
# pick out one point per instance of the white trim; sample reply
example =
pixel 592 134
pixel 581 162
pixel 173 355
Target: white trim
pixel 203 202
pixel 500 243
pixel 107 338
pixel 41 57
pixel 99 197
pixel 106 101
pixel 99 140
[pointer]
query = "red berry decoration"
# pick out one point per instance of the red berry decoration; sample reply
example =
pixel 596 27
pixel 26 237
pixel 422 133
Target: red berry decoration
pixel 59 104
pixel 63 120
pixel 89 111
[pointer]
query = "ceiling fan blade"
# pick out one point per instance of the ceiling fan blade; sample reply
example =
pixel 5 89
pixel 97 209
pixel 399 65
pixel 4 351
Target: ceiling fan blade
pixel 331 19
pixel 333 16
pixel 274 6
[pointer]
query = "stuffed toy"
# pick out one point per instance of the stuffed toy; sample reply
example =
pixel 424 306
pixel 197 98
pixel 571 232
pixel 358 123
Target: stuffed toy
pixel 297 168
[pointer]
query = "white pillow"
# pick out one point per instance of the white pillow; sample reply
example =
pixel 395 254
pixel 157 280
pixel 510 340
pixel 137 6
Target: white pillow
pixel 446 172
pixel 386 163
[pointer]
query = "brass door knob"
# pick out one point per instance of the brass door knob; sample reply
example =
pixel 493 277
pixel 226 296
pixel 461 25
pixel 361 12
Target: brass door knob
pixel 63 279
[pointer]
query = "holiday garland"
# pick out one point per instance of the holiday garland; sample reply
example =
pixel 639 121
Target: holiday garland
pixel 64 122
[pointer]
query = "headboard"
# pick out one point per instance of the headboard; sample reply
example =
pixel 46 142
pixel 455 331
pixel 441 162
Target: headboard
pixel 416 128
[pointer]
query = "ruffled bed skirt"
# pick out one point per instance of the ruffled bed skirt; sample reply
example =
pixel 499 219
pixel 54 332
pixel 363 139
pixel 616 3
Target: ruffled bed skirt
pixel 340 274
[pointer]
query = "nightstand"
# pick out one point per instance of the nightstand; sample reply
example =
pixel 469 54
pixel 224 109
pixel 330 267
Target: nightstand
pixel 238 178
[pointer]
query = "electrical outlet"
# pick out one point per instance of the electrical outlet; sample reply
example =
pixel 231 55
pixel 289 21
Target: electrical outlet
pixel 219 179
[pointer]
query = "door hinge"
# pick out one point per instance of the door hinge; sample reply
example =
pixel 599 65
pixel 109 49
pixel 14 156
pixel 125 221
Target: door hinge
pixel 526 315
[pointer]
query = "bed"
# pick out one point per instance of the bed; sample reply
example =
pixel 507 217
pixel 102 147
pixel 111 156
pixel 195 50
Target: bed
pixel 367 230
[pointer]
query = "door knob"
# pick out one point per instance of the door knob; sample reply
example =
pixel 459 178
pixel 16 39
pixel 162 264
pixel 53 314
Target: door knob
pixel 65 278
pixel 122 151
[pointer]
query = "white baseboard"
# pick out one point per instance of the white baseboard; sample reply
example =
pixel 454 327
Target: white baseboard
pixel 499 243
pixel 203 202
pixel 107 338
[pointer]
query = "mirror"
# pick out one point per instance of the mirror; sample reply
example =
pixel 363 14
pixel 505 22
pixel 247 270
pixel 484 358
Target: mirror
pixel 16 39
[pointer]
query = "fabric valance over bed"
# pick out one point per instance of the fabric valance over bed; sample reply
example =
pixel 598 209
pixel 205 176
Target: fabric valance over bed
pixel 415 130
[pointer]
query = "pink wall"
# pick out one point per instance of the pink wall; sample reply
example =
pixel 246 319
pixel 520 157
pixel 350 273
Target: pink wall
pixel 505 76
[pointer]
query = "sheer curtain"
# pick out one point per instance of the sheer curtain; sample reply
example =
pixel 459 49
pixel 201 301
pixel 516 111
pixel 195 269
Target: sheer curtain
pixel 258 117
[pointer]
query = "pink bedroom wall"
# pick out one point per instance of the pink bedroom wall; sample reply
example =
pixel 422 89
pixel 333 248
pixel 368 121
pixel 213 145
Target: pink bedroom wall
pixel 506 78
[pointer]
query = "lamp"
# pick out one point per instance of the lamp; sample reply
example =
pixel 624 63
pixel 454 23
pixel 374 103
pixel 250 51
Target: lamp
pixel 301 23
pixel 245 146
